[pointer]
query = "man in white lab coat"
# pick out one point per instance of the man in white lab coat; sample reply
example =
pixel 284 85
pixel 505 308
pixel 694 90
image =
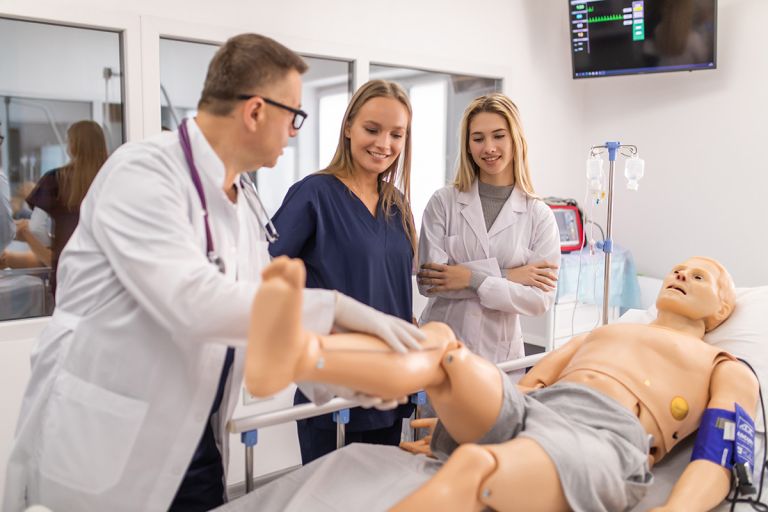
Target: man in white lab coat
pixel 139 369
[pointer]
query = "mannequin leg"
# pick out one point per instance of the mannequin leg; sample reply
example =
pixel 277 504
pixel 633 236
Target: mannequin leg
pixel 465 389
pixel 516 475
pixel 469 400
pixel 280 351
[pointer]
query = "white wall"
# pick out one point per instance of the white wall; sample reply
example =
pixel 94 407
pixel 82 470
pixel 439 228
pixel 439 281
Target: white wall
pixel 702 134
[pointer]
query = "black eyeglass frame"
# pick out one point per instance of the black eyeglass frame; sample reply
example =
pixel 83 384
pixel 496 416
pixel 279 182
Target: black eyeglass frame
pixel 299 116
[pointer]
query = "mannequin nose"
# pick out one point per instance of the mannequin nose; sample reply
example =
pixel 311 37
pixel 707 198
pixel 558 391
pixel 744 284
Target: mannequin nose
pixel 680 276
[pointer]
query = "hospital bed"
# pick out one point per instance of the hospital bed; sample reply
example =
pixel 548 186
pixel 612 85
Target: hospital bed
pixel 373 478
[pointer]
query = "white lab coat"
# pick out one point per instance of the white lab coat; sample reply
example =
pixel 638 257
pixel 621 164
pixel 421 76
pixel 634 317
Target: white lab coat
pixel 453 231
pixel 124 376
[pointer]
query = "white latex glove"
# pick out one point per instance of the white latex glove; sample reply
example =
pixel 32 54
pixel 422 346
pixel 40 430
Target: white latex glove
pixel 366 401
pixel 355 316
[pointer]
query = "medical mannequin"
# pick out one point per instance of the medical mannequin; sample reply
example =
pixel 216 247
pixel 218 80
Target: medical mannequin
pixel 674 377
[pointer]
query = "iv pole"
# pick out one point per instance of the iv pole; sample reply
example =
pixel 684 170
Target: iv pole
pixel 613 148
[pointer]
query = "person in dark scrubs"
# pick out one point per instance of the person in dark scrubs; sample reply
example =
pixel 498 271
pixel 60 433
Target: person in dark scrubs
pixel 352 225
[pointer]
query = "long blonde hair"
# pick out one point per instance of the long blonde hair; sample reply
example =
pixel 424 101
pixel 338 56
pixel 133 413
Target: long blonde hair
pixel 467 170
pixel 88 150
pixel 390 180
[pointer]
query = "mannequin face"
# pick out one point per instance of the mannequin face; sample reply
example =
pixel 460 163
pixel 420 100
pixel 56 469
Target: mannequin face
pixel 490 144
pixel 692 290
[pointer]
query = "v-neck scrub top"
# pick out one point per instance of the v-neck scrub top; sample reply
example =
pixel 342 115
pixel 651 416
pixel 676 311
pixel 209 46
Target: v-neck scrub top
pixel 345 248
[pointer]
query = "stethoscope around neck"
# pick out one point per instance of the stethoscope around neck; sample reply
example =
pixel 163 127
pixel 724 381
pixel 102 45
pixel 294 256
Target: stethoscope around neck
pixel 250 193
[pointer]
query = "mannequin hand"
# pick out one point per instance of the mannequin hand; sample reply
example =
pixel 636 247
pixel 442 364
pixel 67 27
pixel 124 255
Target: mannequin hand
pixel 422 445
pixel 354 316
pixel 539 275
pixel 428 423
pixel 444 278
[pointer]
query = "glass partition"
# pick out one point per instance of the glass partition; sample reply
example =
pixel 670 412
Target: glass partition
pixel 51 76
pixel 438 101
pixel 325 92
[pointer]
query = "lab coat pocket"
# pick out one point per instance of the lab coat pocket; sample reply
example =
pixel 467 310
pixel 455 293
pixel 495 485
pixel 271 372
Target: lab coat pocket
pixel 88 434
pixel 454 247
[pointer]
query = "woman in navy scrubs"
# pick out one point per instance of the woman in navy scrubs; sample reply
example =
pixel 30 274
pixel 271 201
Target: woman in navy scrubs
pixel 354 230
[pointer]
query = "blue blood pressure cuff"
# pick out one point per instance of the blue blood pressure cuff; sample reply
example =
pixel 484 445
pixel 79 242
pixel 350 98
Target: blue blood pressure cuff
pixel 726 438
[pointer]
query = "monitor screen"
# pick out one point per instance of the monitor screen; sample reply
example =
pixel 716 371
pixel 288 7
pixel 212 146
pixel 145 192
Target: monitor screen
pixel 623 37
pixel 566 224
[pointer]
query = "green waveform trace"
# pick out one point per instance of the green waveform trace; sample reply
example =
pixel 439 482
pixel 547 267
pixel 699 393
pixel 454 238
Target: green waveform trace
pixel 604 19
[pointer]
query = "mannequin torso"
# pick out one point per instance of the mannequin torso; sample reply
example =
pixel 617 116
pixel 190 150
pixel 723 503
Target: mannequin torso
pixel 660 374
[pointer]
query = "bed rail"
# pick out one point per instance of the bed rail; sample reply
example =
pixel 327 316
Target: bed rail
pixel 248 426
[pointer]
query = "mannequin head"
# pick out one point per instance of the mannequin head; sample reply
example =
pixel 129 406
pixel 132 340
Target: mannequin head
pixel 698 288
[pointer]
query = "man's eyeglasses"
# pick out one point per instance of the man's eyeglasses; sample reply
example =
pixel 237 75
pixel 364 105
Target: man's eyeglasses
pixel 299 116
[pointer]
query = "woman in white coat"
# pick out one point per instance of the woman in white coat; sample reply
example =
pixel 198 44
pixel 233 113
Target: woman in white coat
pixel 137 373
pixel 489 249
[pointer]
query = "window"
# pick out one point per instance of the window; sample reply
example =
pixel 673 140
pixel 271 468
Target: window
pixel 183 66
pixel 438 101
pixel 325 92
pixel 51 76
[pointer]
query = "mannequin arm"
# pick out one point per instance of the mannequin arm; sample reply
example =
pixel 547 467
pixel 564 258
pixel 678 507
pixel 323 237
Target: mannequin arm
pixel 548 370
pixel 704 484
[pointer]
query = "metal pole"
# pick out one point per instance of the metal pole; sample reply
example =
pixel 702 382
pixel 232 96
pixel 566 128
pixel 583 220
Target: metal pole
pixel 248 469
pixel 340 434
pixel 607 270
pixel 249 439
pixel 341 417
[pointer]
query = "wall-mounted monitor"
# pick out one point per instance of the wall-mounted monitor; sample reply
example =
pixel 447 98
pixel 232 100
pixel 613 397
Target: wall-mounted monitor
pixel 624 37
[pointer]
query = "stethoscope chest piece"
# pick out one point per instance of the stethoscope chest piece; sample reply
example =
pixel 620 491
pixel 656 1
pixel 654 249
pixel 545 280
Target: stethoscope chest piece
pixel 217 261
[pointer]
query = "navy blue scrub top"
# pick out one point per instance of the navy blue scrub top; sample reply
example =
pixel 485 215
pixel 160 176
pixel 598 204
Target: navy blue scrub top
pixel 345 248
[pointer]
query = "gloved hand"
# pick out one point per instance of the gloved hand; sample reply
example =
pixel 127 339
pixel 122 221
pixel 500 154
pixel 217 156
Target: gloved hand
pixel 355 316
pixel 366 401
